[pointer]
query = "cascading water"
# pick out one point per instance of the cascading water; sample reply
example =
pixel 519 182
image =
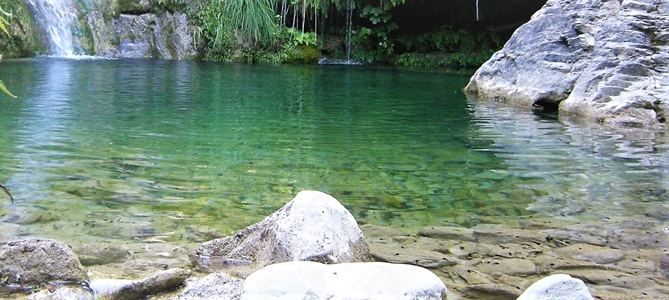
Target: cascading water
pixel 349 37
pixel 349 23
pixel 58 20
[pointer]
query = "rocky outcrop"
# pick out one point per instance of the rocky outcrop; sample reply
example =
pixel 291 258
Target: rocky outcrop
pixel 312 227
pixel 603 60
pixel 38 262
pixel 147 35
pixel 23 39
pixel 310 280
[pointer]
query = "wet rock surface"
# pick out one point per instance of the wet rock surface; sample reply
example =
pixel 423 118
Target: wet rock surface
pixel 601 60
pixel 492 261
pixel 147 35
pixel 615 258
pixel 100 253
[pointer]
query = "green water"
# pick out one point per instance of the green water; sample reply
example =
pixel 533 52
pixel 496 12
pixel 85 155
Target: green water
pixel 129 149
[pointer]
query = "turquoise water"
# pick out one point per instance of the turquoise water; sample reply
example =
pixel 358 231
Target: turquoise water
pixel 130 149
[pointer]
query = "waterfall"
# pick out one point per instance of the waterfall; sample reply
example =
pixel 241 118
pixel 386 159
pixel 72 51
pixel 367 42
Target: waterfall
pixel 349 23
pixel 477 11
pixel 58 20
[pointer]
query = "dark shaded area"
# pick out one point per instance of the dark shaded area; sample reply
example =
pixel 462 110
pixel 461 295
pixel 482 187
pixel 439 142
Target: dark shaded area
pixel 495 15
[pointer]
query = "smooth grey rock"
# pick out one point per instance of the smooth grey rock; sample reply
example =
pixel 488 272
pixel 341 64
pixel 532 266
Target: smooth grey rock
pixel 36 262
pixel 312 280
pixel 118 289
pixel 313 226
pixel 598 59
pixel 557 287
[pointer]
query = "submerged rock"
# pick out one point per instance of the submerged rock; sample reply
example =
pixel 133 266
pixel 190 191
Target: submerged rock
pixel 311 280
pixel 602 60
pixel 101 253
pixel 37 262
pixel 312 227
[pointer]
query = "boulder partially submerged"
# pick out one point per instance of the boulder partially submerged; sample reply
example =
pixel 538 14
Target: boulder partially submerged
pixel 607 61
pixel 312 227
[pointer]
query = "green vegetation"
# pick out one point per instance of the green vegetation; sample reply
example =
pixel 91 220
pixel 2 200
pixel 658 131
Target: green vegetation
pixel 23 41
pixel 301 31
pixel 448 47
pixel 3 26
pixel 293 31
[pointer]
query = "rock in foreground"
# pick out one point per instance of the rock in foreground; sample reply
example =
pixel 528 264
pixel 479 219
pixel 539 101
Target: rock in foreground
pixel 37 262
pixel 312 227
pixel 311 280
pixel 603 60
pixel 559 286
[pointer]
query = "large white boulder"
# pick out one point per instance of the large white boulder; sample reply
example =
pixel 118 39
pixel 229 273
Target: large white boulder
pixel 369 281
pixel 313 226
pixel 603 60
pixel 557 287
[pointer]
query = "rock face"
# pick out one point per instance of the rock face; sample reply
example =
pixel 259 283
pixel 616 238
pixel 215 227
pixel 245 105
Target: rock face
pixel 311 280
pixel 140 36
pixel 36 262
pixel 312 227
pixel 604 60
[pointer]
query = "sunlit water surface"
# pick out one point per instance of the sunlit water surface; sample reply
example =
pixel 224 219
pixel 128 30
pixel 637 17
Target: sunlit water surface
pixel 130 149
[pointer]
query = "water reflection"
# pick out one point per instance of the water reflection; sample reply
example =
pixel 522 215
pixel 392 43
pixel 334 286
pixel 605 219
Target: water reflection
pixel 588 170
pixel 44 140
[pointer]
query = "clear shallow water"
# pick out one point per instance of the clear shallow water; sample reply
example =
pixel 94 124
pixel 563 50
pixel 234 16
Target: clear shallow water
pixel 134 149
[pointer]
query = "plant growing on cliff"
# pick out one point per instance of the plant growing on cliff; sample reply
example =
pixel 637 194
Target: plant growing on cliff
pixel 3 26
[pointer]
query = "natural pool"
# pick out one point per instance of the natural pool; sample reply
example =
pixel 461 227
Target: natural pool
pixel 135 150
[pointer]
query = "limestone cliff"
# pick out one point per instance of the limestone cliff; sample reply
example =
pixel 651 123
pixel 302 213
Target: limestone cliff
pixel 604 60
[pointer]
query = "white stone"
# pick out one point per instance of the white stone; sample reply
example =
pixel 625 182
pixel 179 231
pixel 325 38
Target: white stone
pixel 351 281
pixel 557 287
pixel 315 222
pixel 313 226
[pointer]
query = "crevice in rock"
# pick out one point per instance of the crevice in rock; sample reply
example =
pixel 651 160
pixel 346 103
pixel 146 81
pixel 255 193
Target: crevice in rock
pixel 134 12
pixel 546 105
pixel 547 108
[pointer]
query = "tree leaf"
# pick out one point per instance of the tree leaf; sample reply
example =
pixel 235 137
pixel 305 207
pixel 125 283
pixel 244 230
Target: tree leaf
pixel 4 89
